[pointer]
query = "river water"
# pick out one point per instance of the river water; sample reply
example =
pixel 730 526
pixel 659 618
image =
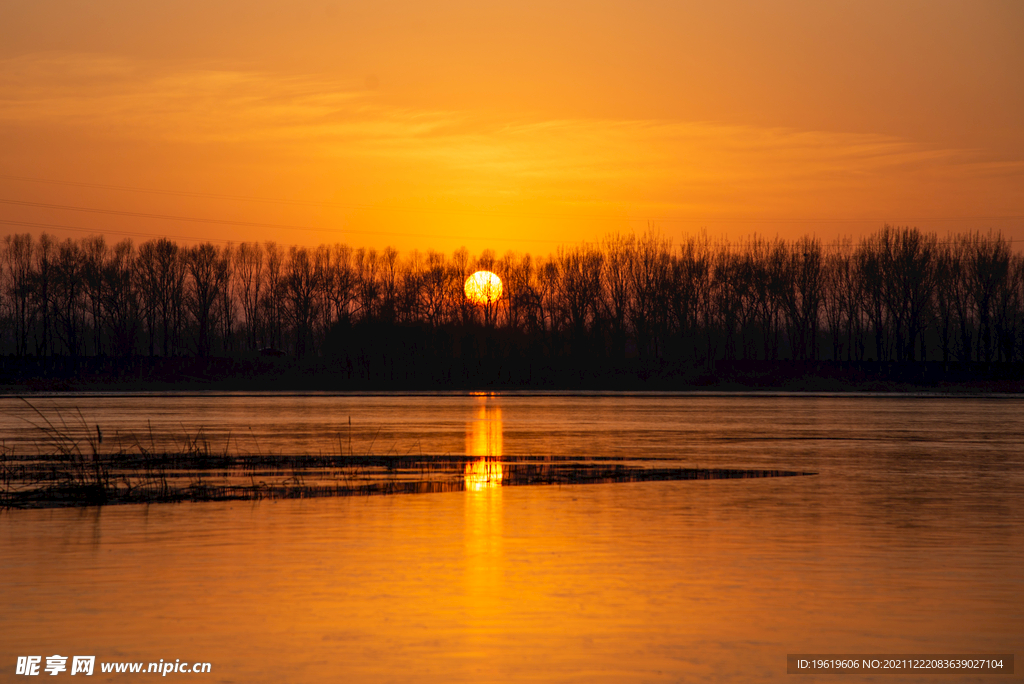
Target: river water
pixel 909 538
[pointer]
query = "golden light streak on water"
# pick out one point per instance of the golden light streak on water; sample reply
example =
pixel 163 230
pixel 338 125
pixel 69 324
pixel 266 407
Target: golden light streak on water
pixel 484 439
pixel 486 565
pixel 484 432
pixel 483 474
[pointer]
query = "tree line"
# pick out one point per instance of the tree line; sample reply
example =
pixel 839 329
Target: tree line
pixel 899 294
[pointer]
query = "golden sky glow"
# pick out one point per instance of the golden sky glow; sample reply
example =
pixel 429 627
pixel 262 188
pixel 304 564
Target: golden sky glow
pixel 509 125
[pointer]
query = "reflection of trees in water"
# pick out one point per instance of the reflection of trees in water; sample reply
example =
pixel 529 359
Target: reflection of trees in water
pixel 895 295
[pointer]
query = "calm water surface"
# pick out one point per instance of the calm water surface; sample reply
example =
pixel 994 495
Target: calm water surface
pixel 908 540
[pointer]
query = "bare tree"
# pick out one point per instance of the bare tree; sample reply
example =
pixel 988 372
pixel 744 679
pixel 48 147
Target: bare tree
pixel 909 261
pixel 121 301
pixel 461 267
pixel 948 271
pixel 648 276
pixel 771 269
pixel 171 269
pixel 435 276
pixel 368 296
pixel 148 286
pixel 96 255
pixel 225 304
pixel 274 300
pixel 42 291
pixel 872 276
pixel 388 278
pixel 988 270
pixel 249 272
pixel 579 289
pixel 68 300
pixel 690 288
pixel 724 298
pixel 410 289
pixel 1010 309
pixel 835 299
pixel 551 321
pixel 803 297
pixel 17 255
pixel 342 282
pixel 207 277
pixel 617 249
pixel 302 283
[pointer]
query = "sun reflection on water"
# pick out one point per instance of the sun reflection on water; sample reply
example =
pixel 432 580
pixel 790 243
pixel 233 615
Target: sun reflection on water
pixel 485 566
pixel 484 440
pixel 483 474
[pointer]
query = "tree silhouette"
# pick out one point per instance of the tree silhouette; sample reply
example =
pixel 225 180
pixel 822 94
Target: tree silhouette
pixel 632 304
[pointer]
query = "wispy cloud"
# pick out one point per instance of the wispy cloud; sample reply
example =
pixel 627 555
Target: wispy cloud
pixel 667 167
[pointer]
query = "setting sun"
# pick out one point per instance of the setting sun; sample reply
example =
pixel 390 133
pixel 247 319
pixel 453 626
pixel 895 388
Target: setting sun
pixel 483 287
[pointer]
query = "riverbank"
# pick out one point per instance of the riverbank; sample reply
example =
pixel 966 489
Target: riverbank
pixel 91 374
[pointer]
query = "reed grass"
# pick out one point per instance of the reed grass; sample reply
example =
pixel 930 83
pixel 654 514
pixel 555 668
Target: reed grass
pixel 74 466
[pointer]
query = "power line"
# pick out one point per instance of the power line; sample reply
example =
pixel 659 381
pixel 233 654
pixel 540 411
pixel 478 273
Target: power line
pixel 59 226
pixel 126 233
pixel 250 224
pixel 312 203
pixel 163 217
pixel 482 212
pixel 178 193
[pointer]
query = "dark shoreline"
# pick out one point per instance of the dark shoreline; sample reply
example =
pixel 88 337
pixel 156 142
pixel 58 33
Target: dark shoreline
pixel 141 374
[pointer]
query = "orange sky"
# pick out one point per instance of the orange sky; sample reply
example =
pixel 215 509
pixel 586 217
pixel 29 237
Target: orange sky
pixel 511 125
